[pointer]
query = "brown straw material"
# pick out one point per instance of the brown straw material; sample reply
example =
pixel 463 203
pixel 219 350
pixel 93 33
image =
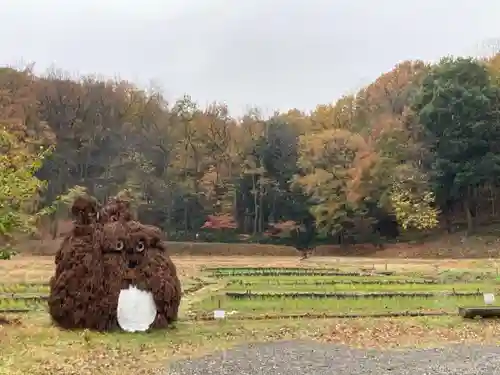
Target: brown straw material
pixel 100 258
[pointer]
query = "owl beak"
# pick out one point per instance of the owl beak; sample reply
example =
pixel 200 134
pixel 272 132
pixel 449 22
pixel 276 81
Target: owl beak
pixel 134 258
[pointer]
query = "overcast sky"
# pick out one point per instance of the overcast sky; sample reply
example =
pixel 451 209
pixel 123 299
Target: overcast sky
pixel 275 54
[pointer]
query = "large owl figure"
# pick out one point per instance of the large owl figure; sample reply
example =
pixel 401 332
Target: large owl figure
pixel 121 268
pixel 138 268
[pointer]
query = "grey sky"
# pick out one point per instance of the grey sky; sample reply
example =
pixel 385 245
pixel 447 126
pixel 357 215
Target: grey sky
pixel 269 53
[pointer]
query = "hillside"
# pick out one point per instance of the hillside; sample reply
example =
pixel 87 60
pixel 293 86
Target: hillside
pixel 485 244
pixel 415 150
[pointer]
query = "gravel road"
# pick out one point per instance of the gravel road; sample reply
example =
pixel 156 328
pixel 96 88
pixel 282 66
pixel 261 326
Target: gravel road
pixel 310 358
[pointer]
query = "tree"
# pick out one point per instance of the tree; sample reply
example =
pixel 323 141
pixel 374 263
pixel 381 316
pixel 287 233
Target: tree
pixel 458 108
pixel 19 188
pixel 418 141
pixel 327 174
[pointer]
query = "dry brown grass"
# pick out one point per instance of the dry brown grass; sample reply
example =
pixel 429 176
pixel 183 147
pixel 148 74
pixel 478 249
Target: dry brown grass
pixel 35 347
pixel 26 268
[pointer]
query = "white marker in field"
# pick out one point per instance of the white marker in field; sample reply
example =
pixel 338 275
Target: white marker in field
pixel 219 314
pixel 489 298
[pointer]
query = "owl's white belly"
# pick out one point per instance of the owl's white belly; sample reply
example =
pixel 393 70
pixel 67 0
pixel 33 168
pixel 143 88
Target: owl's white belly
pixel 136 309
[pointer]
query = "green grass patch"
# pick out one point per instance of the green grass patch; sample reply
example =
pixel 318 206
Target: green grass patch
pixel 281 273
pixel 18 288
pixel 267 269
pixel 467 276
pixel 22 304
pixel 319 279
pixel 281 287
pixel 273 306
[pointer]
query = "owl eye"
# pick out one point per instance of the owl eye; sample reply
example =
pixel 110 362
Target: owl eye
pixel 119 245
pixel 140 247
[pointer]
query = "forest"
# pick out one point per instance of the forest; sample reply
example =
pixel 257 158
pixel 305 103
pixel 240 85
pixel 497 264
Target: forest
pixel 417 150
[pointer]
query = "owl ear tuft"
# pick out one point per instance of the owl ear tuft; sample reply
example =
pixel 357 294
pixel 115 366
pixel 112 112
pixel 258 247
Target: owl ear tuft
pixel 84 210
pixel 154 235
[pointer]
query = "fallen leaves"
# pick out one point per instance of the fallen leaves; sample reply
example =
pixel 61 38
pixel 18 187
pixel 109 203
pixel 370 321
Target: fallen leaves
pixel 36 347
pixel 390 333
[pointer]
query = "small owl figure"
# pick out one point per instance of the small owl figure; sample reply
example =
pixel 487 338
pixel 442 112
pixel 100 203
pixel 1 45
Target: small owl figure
pixel 75 286
pixel 85 215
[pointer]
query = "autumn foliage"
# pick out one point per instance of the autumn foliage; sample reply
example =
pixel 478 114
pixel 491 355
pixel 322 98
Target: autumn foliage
pixel 416 149
pixel 220 222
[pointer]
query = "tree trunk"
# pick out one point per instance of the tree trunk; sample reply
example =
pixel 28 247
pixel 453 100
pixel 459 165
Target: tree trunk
pixel 468 215
pixel 492 200
pixel 255 205
pixel 261 205
pixel 483 312
pixel 54 225
pixel 185 216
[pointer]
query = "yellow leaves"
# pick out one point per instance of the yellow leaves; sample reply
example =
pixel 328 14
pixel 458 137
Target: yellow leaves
pixel 333 147
pixel 413 210
pixel 62 200
pixel 336 157
pixel 18 185
pixel 342 169
pixel 318 182
pixel 494 67
pixel 140 161
pixel 337 164
pixel 339 115
pixel 298 120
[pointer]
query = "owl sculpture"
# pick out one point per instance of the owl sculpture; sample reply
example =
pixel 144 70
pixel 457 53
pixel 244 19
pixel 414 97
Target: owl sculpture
pixel 126 280
pixel 78 272
pixel 135 259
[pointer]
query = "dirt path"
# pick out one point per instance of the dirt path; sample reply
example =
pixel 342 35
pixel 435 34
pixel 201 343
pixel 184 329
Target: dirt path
pixel 199 295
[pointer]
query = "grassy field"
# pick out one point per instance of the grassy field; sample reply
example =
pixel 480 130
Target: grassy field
pixel 30 344
pixel 276 306
pixel 283 286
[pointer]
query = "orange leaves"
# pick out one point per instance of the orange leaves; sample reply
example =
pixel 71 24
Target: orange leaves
pixel 220 222
pixel 390 91
pixel 385 102
pixel 282 228
pixel 339 115
pixel 334 158
pixel 209 182
pixel 334 147
pixel 343 167
pixel 385 122
pixel 361 172
pixel 338 167
pixel 18 108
